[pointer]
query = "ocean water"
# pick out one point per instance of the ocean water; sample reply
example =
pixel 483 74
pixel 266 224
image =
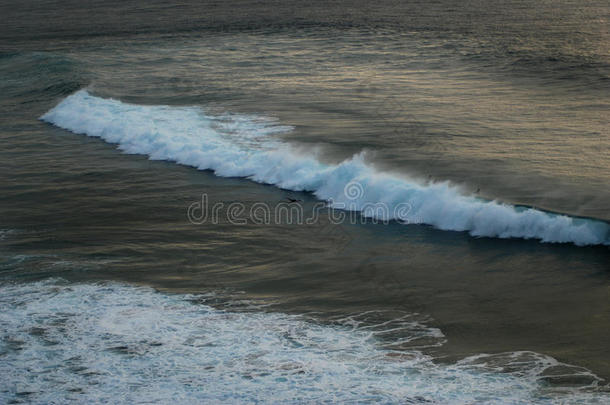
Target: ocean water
pixel 449 242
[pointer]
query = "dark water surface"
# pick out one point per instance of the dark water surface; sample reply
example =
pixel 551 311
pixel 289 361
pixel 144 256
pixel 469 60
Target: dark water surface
pixel 511 100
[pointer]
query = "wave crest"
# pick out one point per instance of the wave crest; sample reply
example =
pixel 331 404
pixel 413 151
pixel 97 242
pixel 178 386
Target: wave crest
pixel 243 146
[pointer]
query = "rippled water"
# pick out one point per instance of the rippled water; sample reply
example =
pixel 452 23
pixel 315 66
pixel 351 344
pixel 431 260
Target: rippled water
pixel 489 120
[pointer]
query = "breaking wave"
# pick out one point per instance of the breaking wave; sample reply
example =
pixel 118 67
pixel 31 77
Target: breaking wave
pixel 243 146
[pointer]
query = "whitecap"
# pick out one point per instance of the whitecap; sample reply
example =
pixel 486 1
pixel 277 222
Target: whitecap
pixel 235 145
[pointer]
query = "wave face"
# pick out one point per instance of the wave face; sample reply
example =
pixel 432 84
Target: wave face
pixel 123 344
pixel 243 146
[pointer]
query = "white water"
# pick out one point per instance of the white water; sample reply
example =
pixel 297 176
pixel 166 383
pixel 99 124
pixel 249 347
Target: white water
pixel 124 344
pixel 239 145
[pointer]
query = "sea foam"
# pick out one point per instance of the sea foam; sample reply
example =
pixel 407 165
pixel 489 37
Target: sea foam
pixel 235 145
pixel 108 342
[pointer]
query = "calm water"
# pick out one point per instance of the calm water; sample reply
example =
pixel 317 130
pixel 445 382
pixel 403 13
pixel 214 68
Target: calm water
pixel 489 122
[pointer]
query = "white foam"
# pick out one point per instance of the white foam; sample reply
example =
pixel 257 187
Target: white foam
pixel 4 233
pixel 238 145
pixel 124 344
